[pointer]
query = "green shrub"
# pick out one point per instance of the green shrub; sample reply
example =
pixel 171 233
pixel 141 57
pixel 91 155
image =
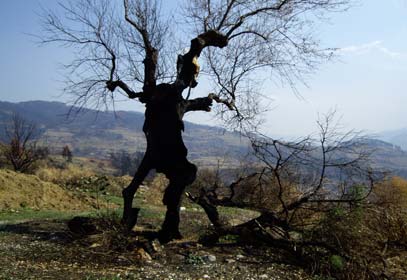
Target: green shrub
pixel 194 259
pixel 337 262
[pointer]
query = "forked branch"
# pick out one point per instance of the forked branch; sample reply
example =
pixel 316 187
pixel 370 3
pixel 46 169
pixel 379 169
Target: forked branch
pixel 151 53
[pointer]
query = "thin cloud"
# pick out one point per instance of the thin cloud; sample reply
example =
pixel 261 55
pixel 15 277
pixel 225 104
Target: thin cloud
pixel 372 46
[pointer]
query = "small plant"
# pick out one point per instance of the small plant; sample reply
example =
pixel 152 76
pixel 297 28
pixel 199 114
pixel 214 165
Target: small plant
pixel 229 238
pixel 115 277
pixel 336 262
pixel 23 204
pixel 337 212
pixel 194 259
pixel 319 277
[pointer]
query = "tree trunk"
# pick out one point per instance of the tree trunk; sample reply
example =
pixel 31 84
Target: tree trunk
pixel 166 153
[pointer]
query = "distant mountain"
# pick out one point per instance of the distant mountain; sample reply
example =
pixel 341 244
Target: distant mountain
pixel 96 134
pixel 387 156
pixel 397 137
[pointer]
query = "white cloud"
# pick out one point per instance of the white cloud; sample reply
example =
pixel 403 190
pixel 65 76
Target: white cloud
pixel 372 46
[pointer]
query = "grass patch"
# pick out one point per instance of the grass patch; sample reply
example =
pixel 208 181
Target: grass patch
pixel 23 214
pixel 231 211
pixel 113 199
pixel 114 277
pixel 152 213
pixel 30 214
pixel 147 212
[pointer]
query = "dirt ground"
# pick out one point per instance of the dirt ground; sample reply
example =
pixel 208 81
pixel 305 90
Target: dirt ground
pixel 35 247
pixel 45 249
pixel 37 243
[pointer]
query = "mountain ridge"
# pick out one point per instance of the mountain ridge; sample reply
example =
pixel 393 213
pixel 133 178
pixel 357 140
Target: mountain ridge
pixel 97 133
pixel 396 136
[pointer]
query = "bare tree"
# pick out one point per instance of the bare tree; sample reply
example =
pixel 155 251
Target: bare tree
pixel 21 149
pixel 125 162
pixel 293 181
pixel 121 48
pixel 67 153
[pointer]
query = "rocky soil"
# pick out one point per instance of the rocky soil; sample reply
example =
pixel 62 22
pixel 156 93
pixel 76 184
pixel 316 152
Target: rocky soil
pixel 48 250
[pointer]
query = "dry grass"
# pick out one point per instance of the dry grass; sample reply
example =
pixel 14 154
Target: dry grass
pixel 154 193
pixel 29 191
pixel 62 176
pixel 372 235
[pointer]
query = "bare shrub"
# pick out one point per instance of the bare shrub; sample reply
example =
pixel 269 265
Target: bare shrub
pixel 67 153
pixel 126 163
pixel 319 199
pixel 21 150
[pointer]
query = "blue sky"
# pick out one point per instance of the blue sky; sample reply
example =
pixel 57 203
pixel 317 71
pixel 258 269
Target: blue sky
pixel 367 84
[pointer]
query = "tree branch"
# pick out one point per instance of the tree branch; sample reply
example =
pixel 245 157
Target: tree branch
pixel 112 85
pixel 151 53
pixel 198 104
pixel 205 103
pixel 187 64
pixel 243 17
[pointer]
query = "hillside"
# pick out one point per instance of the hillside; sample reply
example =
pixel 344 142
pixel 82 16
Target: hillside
pixel 96 134
pixel 396 137
pixel 387 156
pixel 19 190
